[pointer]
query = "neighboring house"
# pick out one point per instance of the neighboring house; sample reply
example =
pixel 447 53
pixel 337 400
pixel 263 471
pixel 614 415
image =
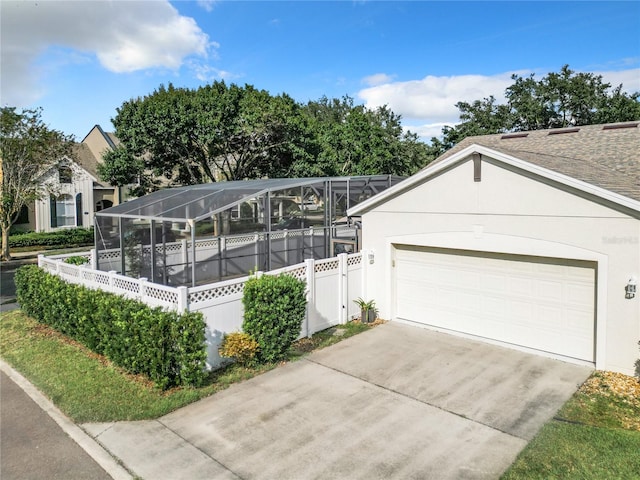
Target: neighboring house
pixel 530 240
pixel 76 192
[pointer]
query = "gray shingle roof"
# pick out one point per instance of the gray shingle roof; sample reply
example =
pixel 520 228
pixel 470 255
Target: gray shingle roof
pixel 607 156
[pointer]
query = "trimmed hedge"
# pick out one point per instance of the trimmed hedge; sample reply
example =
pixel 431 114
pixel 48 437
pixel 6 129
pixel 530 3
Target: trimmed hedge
pixel 167 347
pixel 68 237
pixel 274 308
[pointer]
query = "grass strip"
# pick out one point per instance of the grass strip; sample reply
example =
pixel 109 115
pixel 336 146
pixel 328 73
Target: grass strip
pixel 89 388
pixel 570 451
pixel 595 435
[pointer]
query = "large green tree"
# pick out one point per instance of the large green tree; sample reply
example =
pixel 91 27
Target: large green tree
pixel 561 99
pixel 227 132
pixel 350 139
pixel 216 132
pixel 28 148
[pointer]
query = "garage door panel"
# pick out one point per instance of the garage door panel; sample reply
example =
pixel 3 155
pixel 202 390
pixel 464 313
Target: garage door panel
pixel 537 304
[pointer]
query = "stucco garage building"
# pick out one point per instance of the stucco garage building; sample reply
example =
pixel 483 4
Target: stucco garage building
pixel 527 239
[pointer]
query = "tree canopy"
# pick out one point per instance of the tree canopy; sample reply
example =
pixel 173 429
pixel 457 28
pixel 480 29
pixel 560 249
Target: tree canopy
pixel 561 99
pixel 228 132
pixel 28 147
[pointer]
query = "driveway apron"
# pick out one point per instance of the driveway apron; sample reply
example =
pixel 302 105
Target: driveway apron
pixel 394 402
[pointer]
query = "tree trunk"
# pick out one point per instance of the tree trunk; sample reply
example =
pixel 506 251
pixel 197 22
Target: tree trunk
pixel 6 254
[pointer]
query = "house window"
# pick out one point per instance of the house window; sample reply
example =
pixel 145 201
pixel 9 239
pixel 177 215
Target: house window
pixel 23 216
pixel 102 204
pixel 63 211
pixel 65 174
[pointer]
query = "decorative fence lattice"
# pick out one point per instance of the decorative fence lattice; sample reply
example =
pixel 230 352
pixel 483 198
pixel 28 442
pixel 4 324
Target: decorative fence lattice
pixel 332 286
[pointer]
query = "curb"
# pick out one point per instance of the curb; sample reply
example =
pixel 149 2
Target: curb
pixel 88 444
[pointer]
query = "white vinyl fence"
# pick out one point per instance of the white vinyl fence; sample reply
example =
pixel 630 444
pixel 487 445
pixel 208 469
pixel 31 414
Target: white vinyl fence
pixel 332 286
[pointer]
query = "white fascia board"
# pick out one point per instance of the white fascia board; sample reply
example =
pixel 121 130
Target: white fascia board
pixel 500 157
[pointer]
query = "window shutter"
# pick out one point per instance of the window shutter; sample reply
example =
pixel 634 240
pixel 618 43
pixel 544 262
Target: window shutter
pixel 52 211
pixel 79 210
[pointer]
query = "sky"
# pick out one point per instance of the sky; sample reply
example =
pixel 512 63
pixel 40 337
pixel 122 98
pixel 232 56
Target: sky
pixel 79 60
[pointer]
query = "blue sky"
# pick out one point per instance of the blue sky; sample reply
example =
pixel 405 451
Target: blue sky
pixel 80 60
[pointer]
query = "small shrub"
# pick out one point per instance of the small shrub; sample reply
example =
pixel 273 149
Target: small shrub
pixel 76 260
pixel 240 347
pixel 274 308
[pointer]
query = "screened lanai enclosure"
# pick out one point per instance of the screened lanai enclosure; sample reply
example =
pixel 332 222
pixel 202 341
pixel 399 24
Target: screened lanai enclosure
pixel 200 234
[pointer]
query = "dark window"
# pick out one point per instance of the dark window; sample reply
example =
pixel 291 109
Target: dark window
pixel 23 216
pixel 65 174
pixel 102 204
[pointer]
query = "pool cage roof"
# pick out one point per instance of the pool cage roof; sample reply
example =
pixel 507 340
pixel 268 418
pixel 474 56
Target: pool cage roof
pixel 197 202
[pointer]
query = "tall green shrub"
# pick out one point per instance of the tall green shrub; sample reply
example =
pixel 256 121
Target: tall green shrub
pixel 274 308
pixel 167 347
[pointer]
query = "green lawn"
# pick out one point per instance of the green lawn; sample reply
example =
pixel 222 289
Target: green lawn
pixel 596 435
pixel 88 388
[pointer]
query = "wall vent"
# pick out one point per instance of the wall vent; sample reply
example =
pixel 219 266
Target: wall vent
pixel 618 126
pixel 563 130
pixel 513 135
pixel 477 167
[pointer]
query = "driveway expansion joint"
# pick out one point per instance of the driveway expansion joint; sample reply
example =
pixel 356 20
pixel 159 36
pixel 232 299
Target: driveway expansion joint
pixel 215 460
pixel 404 395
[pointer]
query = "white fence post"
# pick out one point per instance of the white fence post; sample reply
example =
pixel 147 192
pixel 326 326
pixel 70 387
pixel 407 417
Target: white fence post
pixel 343 285
pixel 40 260
pixel 183 299
pixel 184 251
pixel 286 248
pixel 222 241
pixel 143 291
pixel 256 249
pixel 112 275
pixel 93 259
pixel 310 265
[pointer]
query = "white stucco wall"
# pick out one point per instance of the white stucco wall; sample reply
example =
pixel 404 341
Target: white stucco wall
pixel 82 182
pixel 509 212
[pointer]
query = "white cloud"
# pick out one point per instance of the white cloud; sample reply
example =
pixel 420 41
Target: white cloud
pixel 377 79
pixel 630 79
pixel 124 36
pixel 428 104
pixel 432 99
pixel 207 4
pixel 427 131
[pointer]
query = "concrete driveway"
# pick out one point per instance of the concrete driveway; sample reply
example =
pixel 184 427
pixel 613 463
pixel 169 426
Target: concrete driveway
pixel 394 402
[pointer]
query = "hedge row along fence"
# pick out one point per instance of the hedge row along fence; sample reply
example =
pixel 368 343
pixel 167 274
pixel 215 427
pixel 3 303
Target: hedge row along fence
pixel 68 237
pixel 165 346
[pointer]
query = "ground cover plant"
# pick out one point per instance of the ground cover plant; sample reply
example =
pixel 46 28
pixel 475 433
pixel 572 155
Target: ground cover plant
pixel 595 435
pixel 87 387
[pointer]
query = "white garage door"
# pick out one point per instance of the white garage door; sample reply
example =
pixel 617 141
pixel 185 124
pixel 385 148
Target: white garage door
pixel 544 304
